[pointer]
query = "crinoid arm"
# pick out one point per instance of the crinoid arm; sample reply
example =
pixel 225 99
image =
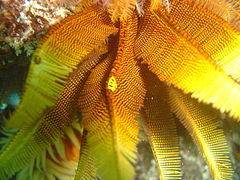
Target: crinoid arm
pixel 214 26
pixel 110 102
pixel 172 55
pixel 159 124
pixel 64 47
pixel 204 125
pixel 48 87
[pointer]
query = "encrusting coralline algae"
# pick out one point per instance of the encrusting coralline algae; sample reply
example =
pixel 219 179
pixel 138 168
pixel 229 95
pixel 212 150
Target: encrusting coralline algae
pixel 24 20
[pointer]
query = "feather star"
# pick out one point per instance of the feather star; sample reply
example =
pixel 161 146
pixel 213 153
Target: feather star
pixel 119 66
